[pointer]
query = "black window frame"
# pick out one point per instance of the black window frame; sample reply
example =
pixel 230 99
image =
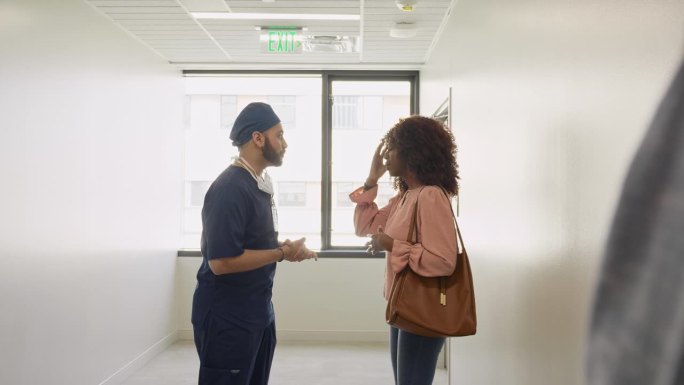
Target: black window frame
pixel 327 77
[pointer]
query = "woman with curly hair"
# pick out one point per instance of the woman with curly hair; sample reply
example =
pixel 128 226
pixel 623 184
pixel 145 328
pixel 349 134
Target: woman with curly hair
pixel 420 154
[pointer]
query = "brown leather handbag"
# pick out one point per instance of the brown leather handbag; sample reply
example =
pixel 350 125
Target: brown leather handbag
pixel 434 306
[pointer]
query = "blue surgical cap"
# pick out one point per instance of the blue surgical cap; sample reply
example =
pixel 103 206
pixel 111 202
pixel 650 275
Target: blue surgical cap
pixel 255 117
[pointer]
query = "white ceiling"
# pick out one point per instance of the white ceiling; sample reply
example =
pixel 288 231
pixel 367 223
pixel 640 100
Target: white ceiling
pixel 167 27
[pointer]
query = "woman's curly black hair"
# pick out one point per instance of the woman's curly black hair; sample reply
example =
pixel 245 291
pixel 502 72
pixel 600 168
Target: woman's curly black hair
pixel 428 149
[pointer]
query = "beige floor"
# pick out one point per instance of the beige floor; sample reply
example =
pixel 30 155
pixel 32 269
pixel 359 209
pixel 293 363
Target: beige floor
pixel 310 363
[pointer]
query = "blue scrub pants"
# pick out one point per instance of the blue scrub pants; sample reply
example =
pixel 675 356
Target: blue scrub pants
pixel 230 355
pixel 414 357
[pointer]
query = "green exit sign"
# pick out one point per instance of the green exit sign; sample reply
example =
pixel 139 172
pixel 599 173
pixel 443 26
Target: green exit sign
pixel 281 41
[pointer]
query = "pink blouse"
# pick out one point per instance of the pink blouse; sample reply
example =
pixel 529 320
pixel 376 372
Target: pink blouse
pixel 434 254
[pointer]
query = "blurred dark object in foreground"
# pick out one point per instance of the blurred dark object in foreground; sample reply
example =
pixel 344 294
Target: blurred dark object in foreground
pixel 637 327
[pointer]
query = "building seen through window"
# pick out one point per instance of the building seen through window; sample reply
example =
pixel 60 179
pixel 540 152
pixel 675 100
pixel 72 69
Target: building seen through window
pixel 292 194
pixel 360 115
pixel 362 112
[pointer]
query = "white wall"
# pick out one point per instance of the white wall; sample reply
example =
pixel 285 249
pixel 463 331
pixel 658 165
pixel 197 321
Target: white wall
pixel 550 100
pixel 90 164
pixel 328 299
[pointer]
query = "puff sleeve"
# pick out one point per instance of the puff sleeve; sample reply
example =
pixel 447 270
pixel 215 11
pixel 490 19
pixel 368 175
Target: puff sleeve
pixel 367 216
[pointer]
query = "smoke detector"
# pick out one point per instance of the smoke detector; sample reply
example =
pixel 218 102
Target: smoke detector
pixel 403 30
pixel 406 5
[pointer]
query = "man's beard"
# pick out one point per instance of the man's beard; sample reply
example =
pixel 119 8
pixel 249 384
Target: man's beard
pixel 271 155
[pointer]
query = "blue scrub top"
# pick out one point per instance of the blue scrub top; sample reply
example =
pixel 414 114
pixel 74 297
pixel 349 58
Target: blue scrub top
pixel 236 216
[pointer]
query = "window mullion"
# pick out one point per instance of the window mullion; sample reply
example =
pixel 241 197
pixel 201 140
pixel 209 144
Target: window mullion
pixel 326 206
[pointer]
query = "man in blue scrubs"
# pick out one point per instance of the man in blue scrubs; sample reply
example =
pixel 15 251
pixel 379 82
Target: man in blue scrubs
pixel 232 313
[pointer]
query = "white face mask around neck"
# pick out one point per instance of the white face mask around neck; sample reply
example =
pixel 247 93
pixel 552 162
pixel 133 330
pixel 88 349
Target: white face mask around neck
pixel 263 183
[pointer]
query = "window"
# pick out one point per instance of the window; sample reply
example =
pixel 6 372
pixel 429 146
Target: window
pixel 346 112
pixel 362 112
pixel 198 189
pixel 385 193
pixel 286 109
pixel 330 145
pixel 358 112
pixel 228 112
pixel 214 103
pixel 342 191
pixel 291 194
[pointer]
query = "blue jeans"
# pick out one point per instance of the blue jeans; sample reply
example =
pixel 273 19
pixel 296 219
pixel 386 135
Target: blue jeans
pixel 414 357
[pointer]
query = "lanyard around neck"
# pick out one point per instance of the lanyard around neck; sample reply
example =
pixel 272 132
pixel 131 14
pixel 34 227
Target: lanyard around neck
pixel 263 185
pixel 243 162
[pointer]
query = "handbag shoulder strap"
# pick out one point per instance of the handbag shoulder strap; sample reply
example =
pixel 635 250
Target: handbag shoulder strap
pixel 458 231
pixel 413 229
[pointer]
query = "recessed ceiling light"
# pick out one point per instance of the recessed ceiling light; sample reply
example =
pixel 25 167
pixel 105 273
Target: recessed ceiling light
pixel 403 30
pixel 271 16
pixel 267 27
